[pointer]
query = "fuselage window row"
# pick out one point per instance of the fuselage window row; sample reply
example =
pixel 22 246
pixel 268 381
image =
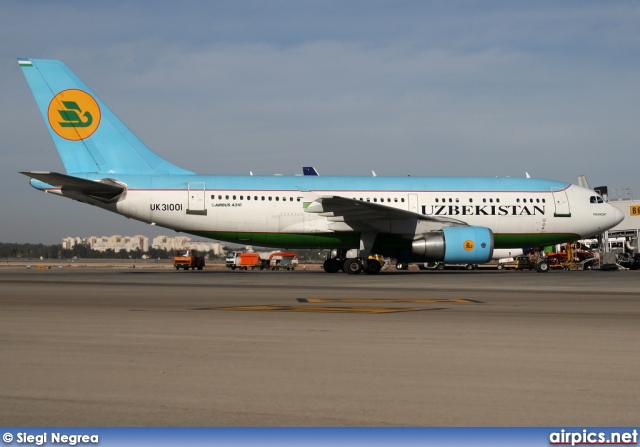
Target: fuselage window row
pixel 383 200
pixel 263 198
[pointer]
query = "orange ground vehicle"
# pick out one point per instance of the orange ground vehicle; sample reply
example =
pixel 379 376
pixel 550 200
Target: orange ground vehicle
pixel 247 261
pixel 187 259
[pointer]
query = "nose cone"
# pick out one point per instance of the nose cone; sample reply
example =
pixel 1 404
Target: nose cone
pixel 617 216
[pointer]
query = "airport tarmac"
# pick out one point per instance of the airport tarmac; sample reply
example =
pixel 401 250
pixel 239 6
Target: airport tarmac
pixel 153 347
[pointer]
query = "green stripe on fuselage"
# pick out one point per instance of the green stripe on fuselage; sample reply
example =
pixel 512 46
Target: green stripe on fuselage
pixel 385 243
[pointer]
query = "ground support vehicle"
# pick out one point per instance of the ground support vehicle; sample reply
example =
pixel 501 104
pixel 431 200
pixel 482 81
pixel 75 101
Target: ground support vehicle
pixel 283 260
pixel 524 263
pixel 539 262
pixel 187 259
pixel 627 261
pixel 442 266
pixel 246 261
pixel 230 259
pixel 572 259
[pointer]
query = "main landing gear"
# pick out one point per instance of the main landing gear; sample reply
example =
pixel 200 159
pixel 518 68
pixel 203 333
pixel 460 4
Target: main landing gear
pixel 371 265
pixel 352 266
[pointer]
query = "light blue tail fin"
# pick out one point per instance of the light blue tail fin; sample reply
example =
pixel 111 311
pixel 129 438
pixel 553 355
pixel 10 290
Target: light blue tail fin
pixel 88 135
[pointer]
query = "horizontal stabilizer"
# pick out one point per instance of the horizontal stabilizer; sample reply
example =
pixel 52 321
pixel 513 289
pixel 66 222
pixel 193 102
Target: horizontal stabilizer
pixel 105 189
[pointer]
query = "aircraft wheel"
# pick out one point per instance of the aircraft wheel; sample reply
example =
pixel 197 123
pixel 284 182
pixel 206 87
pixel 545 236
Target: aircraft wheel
pixel 352 266
pixel 331 266
pixel 469 267
pixel 500 266
pixel 542 267
pixel 372 267
pixel 440 266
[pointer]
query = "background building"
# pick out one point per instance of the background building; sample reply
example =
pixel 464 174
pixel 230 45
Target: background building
pixel 173 243
pixel 139 242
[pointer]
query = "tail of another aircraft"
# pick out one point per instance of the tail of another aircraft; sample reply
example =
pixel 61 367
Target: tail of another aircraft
pixel 88 135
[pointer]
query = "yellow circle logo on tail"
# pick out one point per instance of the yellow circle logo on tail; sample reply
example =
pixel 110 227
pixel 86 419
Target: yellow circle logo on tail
pixel 74 114
pixel 468 245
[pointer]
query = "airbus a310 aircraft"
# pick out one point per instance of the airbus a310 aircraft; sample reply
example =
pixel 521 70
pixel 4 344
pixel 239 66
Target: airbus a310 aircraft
pixel 413 219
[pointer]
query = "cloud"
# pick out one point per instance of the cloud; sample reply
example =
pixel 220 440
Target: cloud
pixel 414 88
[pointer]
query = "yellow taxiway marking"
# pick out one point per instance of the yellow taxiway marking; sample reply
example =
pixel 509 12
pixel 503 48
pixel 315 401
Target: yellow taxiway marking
pixel 388 300
pixel 366 310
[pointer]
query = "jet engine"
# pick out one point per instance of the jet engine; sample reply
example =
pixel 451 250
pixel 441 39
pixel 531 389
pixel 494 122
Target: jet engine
pixel 456 245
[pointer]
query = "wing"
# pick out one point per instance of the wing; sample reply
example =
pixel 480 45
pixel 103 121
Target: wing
pixel 105 190
pixel 356 215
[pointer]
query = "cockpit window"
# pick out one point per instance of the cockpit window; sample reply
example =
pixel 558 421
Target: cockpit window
pixel 596 199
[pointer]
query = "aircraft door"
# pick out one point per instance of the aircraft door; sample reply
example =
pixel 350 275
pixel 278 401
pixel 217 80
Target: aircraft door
pixel 413 203
pixel 196 201
pixel 561 203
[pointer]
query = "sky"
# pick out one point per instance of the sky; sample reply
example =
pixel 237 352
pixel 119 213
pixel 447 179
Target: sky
pixel 421 88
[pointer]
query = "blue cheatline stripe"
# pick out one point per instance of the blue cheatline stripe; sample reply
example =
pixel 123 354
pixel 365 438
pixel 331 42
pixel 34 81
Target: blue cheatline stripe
pixel 340 184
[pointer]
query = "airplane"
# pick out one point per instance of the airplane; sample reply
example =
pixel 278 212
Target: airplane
pixel 412 219
pixel 309 170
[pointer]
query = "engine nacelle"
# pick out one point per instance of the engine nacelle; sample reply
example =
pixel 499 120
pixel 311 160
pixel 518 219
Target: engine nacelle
pixel 456 245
